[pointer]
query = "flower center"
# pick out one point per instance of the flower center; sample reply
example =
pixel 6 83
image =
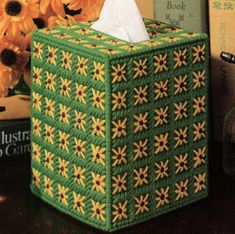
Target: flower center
pixel 13 8
pixel 40 23
pixel 8 57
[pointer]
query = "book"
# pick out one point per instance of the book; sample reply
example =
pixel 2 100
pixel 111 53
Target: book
pixel 189 14
pixel 146 8
pixel 222 38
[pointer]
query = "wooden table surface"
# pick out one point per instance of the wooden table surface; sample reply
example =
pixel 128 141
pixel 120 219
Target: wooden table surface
pixel 21 212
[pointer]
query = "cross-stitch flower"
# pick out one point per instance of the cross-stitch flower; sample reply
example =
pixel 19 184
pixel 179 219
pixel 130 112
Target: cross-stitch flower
pixel 119 100
pixel 180 84
pixel 62 36
pixel 161 143
pixel 119 156
pixel 65 87
pixel 79 147
pixel 63 141
pixel 141 95
pixel 115 42
pixel 50 107
pixel 49 134
pixel 79 177
pixel 36 177
pixel 130 47
pixel 110 51
pixel 17 16
pixel 64 114
pixel 199 157
pixel 119 184
pixel 171 39
pixel 98 99
pixel 181 189
pixel 120 211
pixel 118 73
pixel 79 202
pixel 162 169
pixel 140 68
pixel 36 99
pixel 48 188
pixel 200 182
pixel 181 163
pixel 98 210
pixel 141 204
pixel 199 105
pixel 81 93
pixel 180 110
pixel 36 150
pixel 52 56
pixel 161 116
pixel 50 78
pixel 199 79
pixel 98 127
pixel 80 120
pixel 119 128
pixel 141 176
pixel 180 58
pixel 140 149
pixel 140 122
pixel 98 182
pixel 98 155
pixel 63 194
pixel 84 31
pixel 55 5
pixel 190 35
pixel 172 30
pixel 99 37
pixel 66 60
pixel 161 89
pixel 162 197
pixel 63 168
pixel 49 163
pixel 38 50
pixel 98 71
pixel 37 75
pixel 160 63
pixel 151 43
pixel 36 126
pixel 199 53
pixel 82 66
pixel 199 131
pixel 181 137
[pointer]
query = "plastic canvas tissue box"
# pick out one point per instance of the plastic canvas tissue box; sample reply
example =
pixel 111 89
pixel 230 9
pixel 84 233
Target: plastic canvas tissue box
pixel 119 129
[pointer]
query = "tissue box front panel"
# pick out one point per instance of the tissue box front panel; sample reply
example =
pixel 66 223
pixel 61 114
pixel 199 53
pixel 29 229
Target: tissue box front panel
pixel 119 130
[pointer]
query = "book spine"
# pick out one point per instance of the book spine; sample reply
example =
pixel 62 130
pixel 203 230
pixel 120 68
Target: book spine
pixel 222 38
pixel 189 14
pixel 146 8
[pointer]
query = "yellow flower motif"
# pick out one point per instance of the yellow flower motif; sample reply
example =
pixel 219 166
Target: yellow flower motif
pixel 171 39
pixel 48 186
pixel 140 149
pixel 82 66
pixel 161 142
pixel 119 156
pixel 141 95
pixel 36 178
pixel 37 51
pixel 199 105
pixel 77 41
pixel 119 184
pixel 180 58
pixel 98 210
pixel 130 47
pixel 200 182
pixel 93 46
pixel 172 30
pixel 63 168
pixel 190 35
pixel 79 148
pixel 81 93
pixel 65 89
pixel 162 169
pixel 199 53
pixel 199 131
pixel 79 177
pixel 63 141
pixel 98 72
pixel 36 153
pixel 98 182
pixel 119 100
pixel 181 137
pixel 62 36
pixel 180 110
pixel 162 197
pixel 115 42
pixel 161 89
pixel 140 68
pixel 66 60
pixel 84 31
pixel 181 163
pixel 119 128
pixel 181 189
pixel 156 25
pixel 99 37
pixel 50 81
pixel 141 176
pixel 36 126
pixel 161 116
pixel 63 194
pixel 50 107
pixel 36 99
pixel 49 163
pixel 151 43
pixel 141 204
pixel 120 211
pixel 37 75
pixel 98 127
pixel 199 79
pixel 98 155
pixel 160 63
pixel 49 134
pixel 119 73
pixel 64 114
pixel 80 120
pixel 79 202
pixel 180 84
pixel 110 51
pixel 52 55
pixel 140 122
pixel 199 157
pixel 49 31
pixel 98 99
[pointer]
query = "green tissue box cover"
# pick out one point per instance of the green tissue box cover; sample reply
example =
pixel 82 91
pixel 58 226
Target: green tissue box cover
pixel 119 130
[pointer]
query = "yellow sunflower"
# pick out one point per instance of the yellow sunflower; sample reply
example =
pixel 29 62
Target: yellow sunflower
pixel 37 75
pixel 160 63
pixel 140 149
pixel 63 194
pixel 180 58
pixel 98 127
pixel 199 79
pixel 181 137
pixel 161 143
pixel 162 169
pixel 36 99
pixel 119 211
pixel 80 120
pixel 140 122
pixel 38 50
pixel 49 163
pixel 141 204
pixel 98 210
pixel 81 93
pixel 199 131
pixel 181 190
pixel 199 157
pixel 119 72
pixel 130 47
pixel 181 110
pixel 36 177
pixel 199 53
pixel 98 155
pixel 161 89
pixel 66 60
pixel 180 84
pixel 52 5
pixel 119 128
pixel 141 95
pixel 36 126
pixel 52 56
pixel 161 116
pixel 48 188
pixel 162 197
pixel 64 114
pixel 79 202
pixel 61 20
pixel 79 148
pixel 181 162
pixel 63 168
pixel 98 182
pixel 199 105
pixel 140 68
pixel 63 141
pixel 109 51
pixel 98 71
pixel 49 134
pixel 79 176
pixel 65 87
pixel 119 184
pixel 82 66
pixel 141 176
pixel 119 156
pixel 36 151
pixel 50 79
pixel 200 182
pixel 171 39
pixel 50 107
pixel 98 99
pixel 119 100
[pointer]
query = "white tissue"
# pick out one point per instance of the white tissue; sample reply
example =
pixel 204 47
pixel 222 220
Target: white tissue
pixel 122 19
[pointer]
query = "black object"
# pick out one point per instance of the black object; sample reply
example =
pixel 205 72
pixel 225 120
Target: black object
pixel 228 57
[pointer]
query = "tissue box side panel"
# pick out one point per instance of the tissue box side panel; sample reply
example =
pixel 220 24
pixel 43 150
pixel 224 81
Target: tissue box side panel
pixel 70 130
